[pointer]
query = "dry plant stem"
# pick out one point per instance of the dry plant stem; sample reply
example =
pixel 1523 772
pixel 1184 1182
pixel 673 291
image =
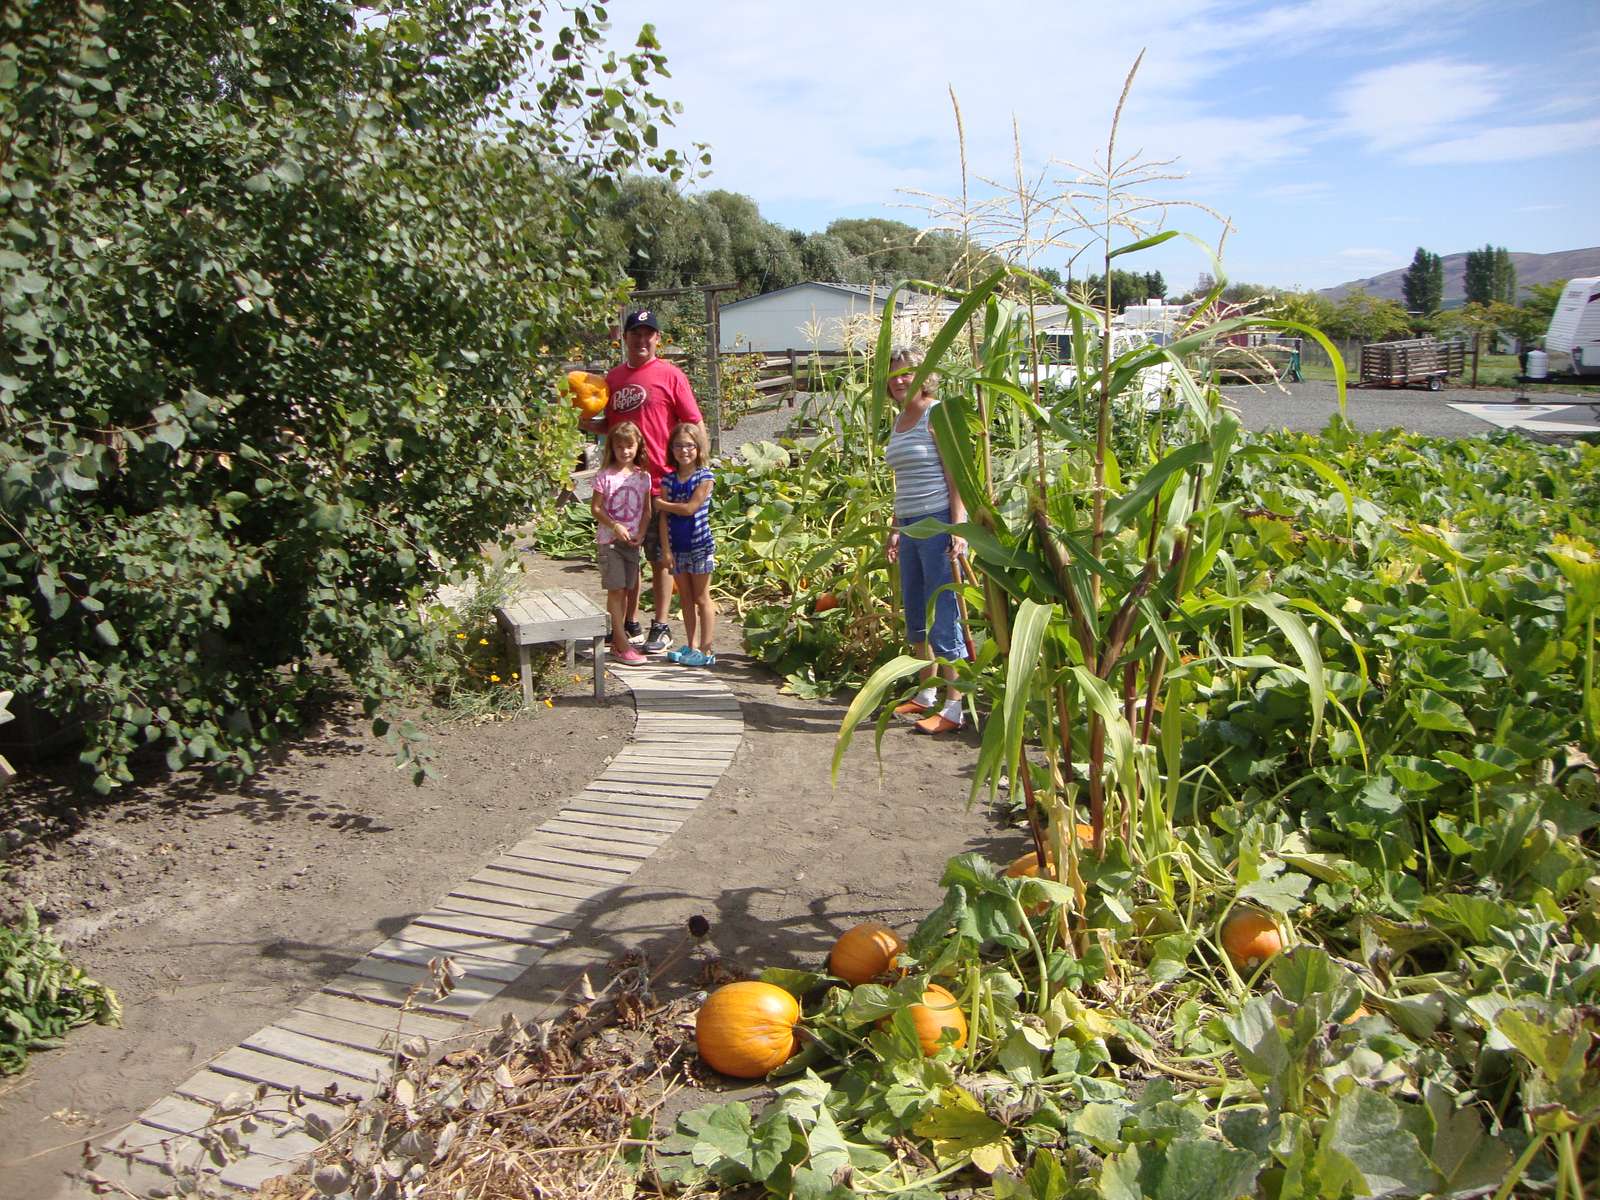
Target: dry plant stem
pixel 1097 787
pixel 1060 568
pixel 1130 682
pixel 1064 724
pixel 1122 623
pixel 1035 827
pixel 1103 427
pixel 966 263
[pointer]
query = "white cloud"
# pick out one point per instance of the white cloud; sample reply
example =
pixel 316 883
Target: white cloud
pixel 1310 190
pixel 794 108
pixel 1510 143
pixel 1408 103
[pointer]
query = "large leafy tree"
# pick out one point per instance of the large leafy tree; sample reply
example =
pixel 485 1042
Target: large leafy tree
pixel 1361 316
pixel 274 273
pixel 1490 276
pixel 1423 282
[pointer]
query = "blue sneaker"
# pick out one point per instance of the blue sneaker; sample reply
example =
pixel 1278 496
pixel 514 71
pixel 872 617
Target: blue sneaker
pixel 677 655
pixel 691 658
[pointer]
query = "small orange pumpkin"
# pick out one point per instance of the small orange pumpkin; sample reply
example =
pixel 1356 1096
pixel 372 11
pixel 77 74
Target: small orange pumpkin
pixel 1250 938
pixel 746 1029
pixel 1028 864
pixel 864 952
pixel 588 392
pixel 938 1011
pixel 826 602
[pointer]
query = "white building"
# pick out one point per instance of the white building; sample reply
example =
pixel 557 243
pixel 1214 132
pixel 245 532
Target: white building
pixel 826 316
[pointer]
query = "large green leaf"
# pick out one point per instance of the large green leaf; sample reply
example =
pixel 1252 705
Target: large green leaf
pixel 1305 647
pixel 868 699
pixel 1022 666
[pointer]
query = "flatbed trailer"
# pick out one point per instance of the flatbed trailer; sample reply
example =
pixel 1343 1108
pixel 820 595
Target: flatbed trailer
pixel 1412 361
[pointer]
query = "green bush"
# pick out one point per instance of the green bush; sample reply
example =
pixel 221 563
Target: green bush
pixel 42 995
pixel 275 276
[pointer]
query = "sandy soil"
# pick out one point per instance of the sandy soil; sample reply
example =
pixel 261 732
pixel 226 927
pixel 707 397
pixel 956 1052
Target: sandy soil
pixel 211 911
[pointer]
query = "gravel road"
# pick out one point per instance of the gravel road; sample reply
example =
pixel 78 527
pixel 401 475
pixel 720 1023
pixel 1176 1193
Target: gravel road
pixel 1304 407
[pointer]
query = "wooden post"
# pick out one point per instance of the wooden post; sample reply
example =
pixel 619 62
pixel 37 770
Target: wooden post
pixel 713 373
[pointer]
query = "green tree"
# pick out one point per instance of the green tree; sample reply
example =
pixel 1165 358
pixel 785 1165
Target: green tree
pixel 887 251
pixel 1490 276
pixel 1541 303
pixel 1479 323
pixel 761 255
pixel 276 276
pixel 1360 316
pixel 1155 286
pixel 1305 308
pixel 1423 282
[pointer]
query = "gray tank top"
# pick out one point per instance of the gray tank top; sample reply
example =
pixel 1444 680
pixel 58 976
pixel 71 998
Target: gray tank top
pixel 919 484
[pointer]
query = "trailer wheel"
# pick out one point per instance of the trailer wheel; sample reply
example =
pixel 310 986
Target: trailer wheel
pixel 1435 384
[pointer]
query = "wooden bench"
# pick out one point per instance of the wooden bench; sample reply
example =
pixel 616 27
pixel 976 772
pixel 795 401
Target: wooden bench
pixel 554 615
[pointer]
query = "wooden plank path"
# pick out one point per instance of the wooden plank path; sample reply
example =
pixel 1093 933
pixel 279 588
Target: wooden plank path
pixel 338 1044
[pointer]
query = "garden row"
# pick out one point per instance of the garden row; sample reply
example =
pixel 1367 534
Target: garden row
pixel 1343 683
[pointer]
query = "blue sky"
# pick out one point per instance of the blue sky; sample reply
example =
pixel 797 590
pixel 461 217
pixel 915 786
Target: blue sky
pixel 1336 136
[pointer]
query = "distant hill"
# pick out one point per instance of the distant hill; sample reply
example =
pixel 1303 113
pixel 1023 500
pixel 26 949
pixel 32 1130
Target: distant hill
pixel 1531 269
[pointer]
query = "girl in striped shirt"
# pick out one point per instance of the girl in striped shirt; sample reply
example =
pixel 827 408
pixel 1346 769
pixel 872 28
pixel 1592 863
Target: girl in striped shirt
pixel 923 491
pixel 685 508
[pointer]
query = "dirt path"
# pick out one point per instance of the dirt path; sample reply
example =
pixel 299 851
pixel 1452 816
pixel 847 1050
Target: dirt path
pixel 211 912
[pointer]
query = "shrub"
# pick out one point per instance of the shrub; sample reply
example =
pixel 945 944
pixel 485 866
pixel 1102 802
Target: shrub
pixel 275 279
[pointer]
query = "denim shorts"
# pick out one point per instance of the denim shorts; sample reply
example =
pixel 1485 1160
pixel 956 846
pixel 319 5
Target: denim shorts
pixel 694 562
pixel 925 568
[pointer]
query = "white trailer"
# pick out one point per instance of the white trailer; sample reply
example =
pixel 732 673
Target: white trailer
pixel 1573 339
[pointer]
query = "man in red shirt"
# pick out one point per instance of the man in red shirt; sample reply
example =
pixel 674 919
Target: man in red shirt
pixel 654 395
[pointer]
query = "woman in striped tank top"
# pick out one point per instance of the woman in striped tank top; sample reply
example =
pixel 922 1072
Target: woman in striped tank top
pixel 923 489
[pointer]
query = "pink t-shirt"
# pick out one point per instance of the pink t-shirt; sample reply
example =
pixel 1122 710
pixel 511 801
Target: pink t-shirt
pixel 655 397
pixel 625 498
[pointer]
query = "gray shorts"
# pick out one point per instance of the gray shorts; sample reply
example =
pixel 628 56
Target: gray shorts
pixel 653 552
pixel 619 566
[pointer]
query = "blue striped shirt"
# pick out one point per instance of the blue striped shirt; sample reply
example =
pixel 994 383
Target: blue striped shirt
pixel 919 483
pixel 689 534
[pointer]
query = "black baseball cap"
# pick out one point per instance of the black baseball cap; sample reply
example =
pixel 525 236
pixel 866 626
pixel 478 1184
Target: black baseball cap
pixel 641 316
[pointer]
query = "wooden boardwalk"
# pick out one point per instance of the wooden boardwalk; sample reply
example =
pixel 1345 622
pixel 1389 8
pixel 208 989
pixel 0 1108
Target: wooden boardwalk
pixel 338 1043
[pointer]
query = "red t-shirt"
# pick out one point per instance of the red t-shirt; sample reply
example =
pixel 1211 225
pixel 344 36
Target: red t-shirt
pixel 656 397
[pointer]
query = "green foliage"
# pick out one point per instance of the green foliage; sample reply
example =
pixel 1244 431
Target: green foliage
pixel 1356 692
pixel 42 995
pixel 1360 316
pixel 1423 282
pixel 276 275
pixel 661 238
pixel 1490 276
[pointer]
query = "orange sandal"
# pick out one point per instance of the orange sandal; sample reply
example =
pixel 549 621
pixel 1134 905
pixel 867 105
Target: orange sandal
pixel 912 711
pixel 936 725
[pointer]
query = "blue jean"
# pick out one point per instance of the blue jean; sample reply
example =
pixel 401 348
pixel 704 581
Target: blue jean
pixel 925 568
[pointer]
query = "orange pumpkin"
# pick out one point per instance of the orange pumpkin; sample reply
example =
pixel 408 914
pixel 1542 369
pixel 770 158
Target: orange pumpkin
pixel 1250 938
pixel 1028 864
pixel 588 392
pixel 864 952
pixel 938 1011
pixel 826 603
pixel 747 1029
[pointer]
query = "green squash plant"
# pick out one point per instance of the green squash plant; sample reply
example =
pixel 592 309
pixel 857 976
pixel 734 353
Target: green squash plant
pixel 1345 680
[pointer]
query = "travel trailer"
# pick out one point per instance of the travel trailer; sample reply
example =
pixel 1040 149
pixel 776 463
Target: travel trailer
pixel 1573 340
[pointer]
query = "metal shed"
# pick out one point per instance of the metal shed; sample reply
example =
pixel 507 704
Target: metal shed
pixel 824 316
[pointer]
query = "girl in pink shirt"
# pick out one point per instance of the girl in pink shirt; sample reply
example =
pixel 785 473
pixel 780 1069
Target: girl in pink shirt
pixel 621 505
